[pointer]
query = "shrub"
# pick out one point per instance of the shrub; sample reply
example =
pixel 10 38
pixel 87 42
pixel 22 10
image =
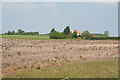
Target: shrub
pixel 69 36
pixel 56 35
pixel 80 36
pixel 85 33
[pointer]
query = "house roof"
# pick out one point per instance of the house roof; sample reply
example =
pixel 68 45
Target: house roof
pixel 77 31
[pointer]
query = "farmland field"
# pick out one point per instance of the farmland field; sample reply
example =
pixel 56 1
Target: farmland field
pixel 94 69
pixel 46 58
pixel 26 36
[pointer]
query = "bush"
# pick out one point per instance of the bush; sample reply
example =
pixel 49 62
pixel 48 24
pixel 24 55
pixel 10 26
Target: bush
pixel 56 35
pixel 69 36
pixel 86 33
pixel 80 36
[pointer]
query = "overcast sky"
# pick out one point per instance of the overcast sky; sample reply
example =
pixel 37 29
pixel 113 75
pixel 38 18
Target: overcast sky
pixel 95 17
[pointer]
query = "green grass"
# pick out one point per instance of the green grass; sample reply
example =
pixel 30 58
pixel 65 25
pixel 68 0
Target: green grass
pixel 96 69
pixel 39 37
pixel 26 36
pixel 31 37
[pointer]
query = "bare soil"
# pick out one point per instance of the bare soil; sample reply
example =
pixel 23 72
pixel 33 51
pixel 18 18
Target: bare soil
pixel 21 54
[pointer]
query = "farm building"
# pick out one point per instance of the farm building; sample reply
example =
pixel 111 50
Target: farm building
pixel 78 32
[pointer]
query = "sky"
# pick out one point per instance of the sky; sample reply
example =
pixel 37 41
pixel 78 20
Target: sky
pixel 96 17
pixel 60 0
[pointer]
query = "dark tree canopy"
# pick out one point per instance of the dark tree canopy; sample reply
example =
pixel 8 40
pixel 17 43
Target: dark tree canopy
pixel 20 31
pixel 13 33
pixel 74 35
pixel 52 30
pixel 9 33
pixel 66 30
pixel 56 35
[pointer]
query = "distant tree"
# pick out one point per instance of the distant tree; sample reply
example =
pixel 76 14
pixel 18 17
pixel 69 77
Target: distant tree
pixel 66 30
pixel 56 35
pixel 13 33
pixel 53 34
pixel 86 33
pixel 106 33
pixel 36 33
pixel 20 32
pixel 6 33
pixel 9 33
pixel 74 35
pixel 52 30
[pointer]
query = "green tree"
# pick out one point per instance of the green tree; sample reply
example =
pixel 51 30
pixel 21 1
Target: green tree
pixel 74 35
pixel 13 33
pixel 66 30
pixel 6 33
pixel 86 33
pixel 9 33
pixel 52 30
pixel 56 35
pixel 20 32
pixel 106 33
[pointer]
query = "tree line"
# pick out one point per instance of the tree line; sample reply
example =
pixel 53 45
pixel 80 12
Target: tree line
pixel 61 35
pixel 68 34
pixel 21 32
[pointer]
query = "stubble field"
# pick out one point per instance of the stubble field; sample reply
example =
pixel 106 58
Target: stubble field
pixel 59 58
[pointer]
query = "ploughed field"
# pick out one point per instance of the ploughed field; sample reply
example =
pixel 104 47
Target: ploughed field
pixel 47 58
